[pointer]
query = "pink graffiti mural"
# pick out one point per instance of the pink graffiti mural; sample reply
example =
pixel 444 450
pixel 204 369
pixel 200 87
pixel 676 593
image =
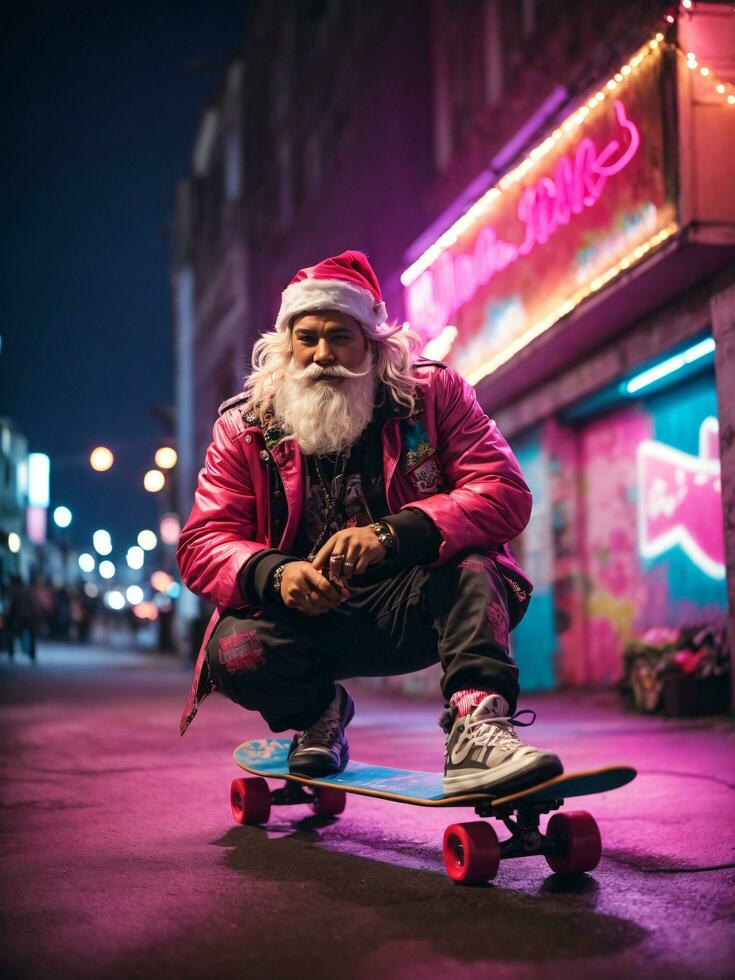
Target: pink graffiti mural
pixel 680 501
pixel 616 589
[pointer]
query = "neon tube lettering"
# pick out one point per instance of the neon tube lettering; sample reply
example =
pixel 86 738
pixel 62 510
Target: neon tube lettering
pixel 578 182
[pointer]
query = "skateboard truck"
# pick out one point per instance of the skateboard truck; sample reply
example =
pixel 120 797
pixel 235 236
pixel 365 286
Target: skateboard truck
pixel 526 837
pixel 290 794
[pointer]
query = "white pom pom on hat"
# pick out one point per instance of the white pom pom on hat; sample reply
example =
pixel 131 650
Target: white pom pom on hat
pixel 344 282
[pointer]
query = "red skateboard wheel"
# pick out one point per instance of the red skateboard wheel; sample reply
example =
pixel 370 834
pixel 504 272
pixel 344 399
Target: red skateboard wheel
pixel 250 800
pixel 471 852
pixel 328 802
pixel 579 834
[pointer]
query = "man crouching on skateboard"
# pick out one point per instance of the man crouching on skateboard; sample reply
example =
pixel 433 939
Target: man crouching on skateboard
pixel 352 520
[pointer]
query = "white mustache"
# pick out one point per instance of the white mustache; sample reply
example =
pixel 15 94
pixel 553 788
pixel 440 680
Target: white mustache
pixel 322 417
pixel 315 372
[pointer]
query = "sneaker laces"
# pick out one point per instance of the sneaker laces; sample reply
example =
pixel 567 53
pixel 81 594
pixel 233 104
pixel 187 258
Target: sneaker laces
pixel 445 721
pixel 497 730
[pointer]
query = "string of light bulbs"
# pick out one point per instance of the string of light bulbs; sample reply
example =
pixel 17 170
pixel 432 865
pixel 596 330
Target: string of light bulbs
pixel 725 90
pixel 572 122
pixel 479 210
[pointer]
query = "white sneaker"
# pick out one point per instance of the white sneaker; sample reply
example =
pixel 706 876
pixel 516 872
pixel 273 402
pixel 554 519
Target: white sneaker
pixel 484 753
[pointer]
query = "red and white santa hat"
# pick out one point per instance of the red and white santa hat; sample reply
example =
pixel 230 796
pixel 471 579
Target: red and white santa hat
pixel 345 282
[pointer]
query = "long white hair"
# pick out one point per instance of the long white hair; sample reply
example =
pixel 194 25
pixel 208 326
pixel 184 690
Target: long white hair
pixel 394 348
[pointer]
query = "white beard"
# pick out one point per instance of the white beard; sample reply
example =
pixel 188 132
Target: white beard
pixel 325 418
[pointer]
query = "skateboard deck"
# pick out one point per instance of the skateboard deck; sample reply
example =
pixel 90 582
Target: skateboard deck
pixel 268 757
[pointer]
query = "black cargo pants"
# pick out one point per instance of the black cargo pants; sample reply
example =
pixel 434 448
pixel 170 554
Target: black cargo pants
pixel 283 663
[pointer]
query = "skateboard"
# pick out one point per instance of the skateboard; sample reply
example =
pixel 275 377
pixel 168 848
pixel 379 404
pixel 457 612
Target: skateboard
pixel 472 852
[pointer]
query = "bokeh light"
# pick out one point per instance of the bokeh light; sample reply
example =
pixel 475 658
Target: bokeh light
pixel 147 540
pixel 166 458
pixel 13 543
pixel 91 590
pixel 101 459
pixel 161 581
pixel 153 481
pixel 102 542
pixel 106 569
pixel 62 517
pixel 170 528
pixel 86 562
pixel 134 594
pixel 115 600
pixel 146 610
pixel 135 557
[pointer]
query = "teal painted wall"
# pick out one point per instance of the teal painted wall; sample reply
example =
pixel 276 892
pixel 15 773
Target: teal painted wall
pixel 534 639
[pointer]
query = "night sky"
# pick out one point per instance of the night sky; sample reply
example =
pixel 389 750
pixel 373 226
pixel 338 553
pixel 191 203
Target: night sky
pixel 101 112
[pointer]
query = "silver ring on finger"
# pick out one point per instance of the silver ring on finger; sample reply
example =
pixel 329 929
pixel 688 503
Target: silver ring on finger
pixel 307 597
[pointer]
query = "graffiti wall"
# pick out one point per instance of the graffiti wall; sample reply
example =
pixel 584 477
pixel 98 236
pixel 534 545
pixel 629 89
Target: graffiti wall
pixel 533 642
pixel 626 535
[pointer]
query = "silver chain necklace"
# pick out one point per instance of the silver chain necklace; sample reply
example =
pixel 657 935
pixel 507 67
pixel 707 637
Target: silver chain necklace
pixel 334 492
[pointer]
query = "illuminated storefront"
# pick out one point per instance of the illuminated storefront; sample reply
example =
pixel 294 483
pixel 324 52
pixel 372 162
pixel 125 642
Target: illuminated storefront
pixel 590 200
pixel 623 207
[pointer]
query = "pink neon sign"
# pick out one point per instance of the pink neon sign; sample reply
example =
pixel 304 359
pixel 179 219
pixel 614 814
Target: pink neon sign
pixel 577 183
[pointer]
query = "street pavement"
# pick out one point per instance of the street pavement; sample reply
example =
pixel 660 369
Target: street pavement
pixel 121 858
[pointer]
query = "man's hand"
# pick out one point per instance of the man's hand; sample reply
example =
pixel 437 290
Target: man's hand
pixel 349 552
pixel 303 587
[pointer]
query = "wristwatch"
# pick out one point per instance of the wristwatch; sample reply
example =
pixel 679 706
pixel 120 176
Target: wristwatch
pixel 386 536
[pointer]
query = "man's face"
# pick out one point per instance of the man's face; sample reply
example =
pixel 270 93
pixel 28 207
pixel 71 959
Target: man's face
pixel 328 339
pixel 327 391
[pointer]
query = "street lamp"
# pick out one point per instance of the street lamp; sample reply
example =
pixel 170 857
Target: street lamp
pixel 101 459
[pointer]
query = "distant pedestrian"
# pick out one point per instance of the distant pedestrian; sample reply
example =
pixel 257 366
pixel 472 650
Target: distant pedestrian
pixel 23 617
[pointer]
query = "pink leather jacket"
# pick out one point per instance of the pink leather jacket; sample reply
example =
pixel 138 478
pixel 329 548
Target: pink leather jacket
pixel 447 458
